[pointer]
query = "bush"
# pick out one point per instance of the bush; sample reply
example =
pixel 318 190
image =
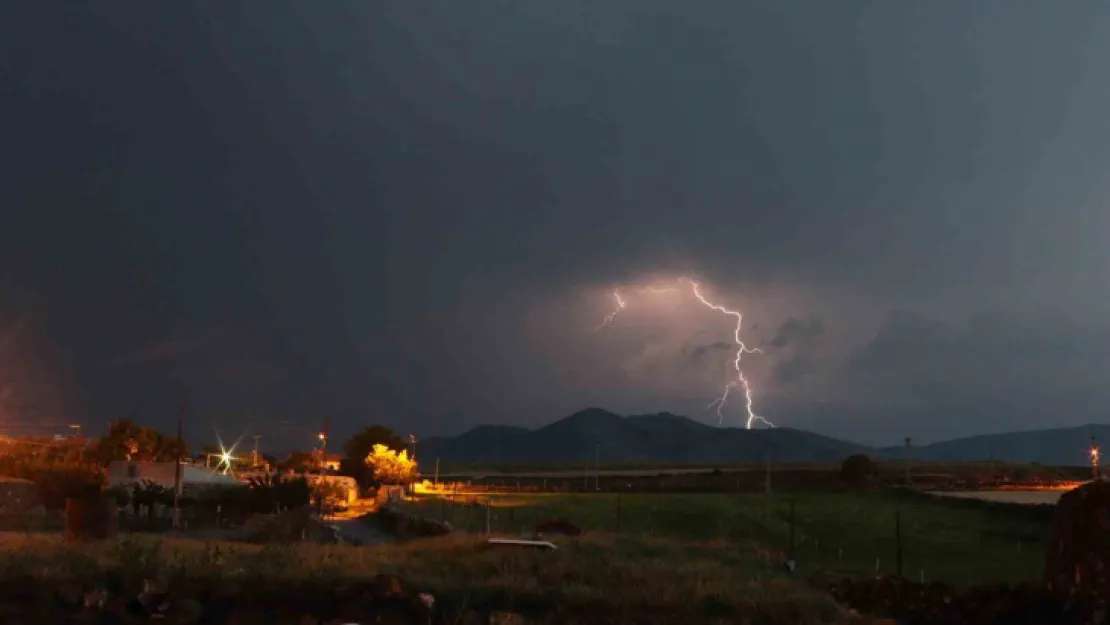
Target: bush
pixel 858 469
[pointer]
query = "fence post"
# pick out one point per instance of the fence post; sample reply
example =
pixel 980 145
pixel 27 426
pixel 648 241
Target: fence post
pixel 898 541
pixel 792 529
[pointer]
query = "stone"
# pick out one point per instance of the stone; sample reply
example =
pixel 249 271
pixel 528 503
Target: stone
pixel 184 611
pixel 388 586
pixel 1078 555
pixel 506 618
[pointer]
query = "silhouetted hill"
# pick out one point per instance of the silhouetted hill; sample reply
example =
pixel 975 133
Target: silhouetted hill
pixel 663 437
pixel 1057 446
pixel 669 438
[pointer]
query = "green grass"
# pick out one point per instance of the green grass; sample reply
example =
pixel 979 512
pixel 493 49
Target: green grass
pixel 672 558
pixel 596 579
pixel 841 533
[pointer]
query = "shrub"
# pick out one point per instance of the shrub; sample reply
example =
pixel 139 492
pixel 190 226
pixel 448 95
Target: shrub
pixel 858 469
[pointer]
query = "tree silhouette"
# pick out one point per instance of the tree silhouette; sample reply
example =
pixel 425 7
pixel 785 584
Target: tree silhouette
pixel 128 441
pixel 857 469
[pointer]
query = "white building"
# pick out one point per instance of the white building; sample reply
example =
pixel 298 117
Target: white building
pixel 123 473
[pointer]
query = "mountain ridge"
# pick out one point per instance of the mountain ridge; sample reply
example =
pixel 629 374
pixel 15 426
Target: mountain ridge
pixel 598 435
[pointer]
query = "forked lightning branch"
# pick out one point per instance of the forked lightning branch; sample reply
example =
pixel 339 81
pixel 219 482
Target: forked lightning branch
pixel 738 380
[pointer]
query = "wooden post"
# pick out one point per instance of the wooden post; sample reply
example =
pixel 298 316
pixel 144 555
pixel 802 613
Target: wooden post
pixel 791 529
pixel 177 470
pixel 909 481
pixel 898 541
pixel 767 478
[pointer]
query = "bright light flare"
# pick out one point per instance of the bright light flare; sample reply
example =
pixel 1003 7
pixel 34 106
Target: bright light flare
pixel 741 348
pixel 227 454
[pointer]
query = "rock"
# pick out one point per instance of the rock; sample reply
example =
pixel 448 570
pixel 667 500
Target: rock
pixel 506 618
pixel 183 611
pixel 1078 555
pixel 70 594
pixel 95 598
pixel 388 586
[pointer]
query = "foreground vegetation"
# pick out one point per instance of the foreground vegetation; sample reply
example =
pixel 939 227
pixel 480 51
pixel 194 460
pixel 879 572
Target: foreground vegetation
pixel 598 578
pixel 851 533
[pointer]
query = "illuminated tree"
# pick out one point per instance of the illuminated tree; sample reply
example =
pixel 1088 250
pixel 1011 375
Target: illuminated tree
pixel 360 446
pixel 391 467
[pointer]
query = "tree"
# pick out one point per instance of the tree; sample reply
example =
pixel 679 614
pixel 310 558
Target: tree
pixel 390 467
pixel 359 447
pixel 298 462
pixel 857 469
pixel 128 441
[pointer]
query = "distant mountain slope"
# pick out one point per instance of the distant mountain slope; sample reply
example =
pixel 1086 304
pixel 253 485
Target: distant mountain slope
pixel 596 433
pixel 1057 446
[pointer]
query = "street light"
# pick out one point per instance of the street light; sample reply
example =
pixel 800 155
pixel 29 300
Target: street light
pixel 1094 459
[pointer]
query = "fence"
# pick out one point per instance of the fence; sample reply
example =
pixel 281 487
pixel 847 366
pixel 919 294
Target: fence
pixel 910 535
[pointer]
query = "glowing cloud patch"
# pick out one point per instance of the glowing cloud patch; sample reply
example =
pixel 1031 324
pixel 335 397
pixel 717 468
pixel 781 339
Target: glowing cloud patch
pixel 740 380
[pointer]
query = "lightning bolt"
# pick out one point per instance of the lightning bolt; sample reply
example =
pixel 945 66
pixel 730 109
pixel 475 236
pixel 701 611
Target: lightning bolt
pixel 616 311
pixel 741 348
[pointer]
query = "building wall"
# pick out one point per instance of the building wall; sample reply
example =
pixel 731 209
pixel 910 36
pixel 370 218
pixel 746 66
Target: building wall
pixel 163 473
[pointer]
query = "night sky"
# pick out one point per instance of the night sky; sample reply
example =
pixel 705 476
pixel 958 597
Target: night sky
pixel 414 213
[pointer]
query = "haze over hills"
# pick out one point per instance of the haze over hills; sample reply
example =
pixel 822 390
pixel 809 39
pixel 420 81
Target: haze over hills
pixel 594 433
pixel 1057 446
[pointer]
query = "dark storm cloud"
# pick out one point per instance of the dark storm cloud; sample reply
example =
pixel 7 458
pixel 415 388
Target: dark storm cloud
pixel 401 211
pixel 798 341
pixel 698 352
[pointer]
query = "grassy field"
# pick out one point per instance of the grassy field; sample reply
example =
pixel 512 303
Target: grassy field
pixel 599 578
pixel 1028 497
pixel 662 559
pixel 955 541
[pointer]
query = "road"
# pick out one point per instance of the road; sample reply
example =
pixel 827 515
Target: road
pixel 351 527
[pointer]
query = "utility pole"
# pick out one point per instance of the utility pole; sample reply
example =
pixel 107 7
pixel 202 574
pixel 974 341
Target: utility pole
pixel 436 482
pixel 177 469
pixel 324 447
pixel 767 479
pixel 908 481
pixel 412 441
pixel 597 465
